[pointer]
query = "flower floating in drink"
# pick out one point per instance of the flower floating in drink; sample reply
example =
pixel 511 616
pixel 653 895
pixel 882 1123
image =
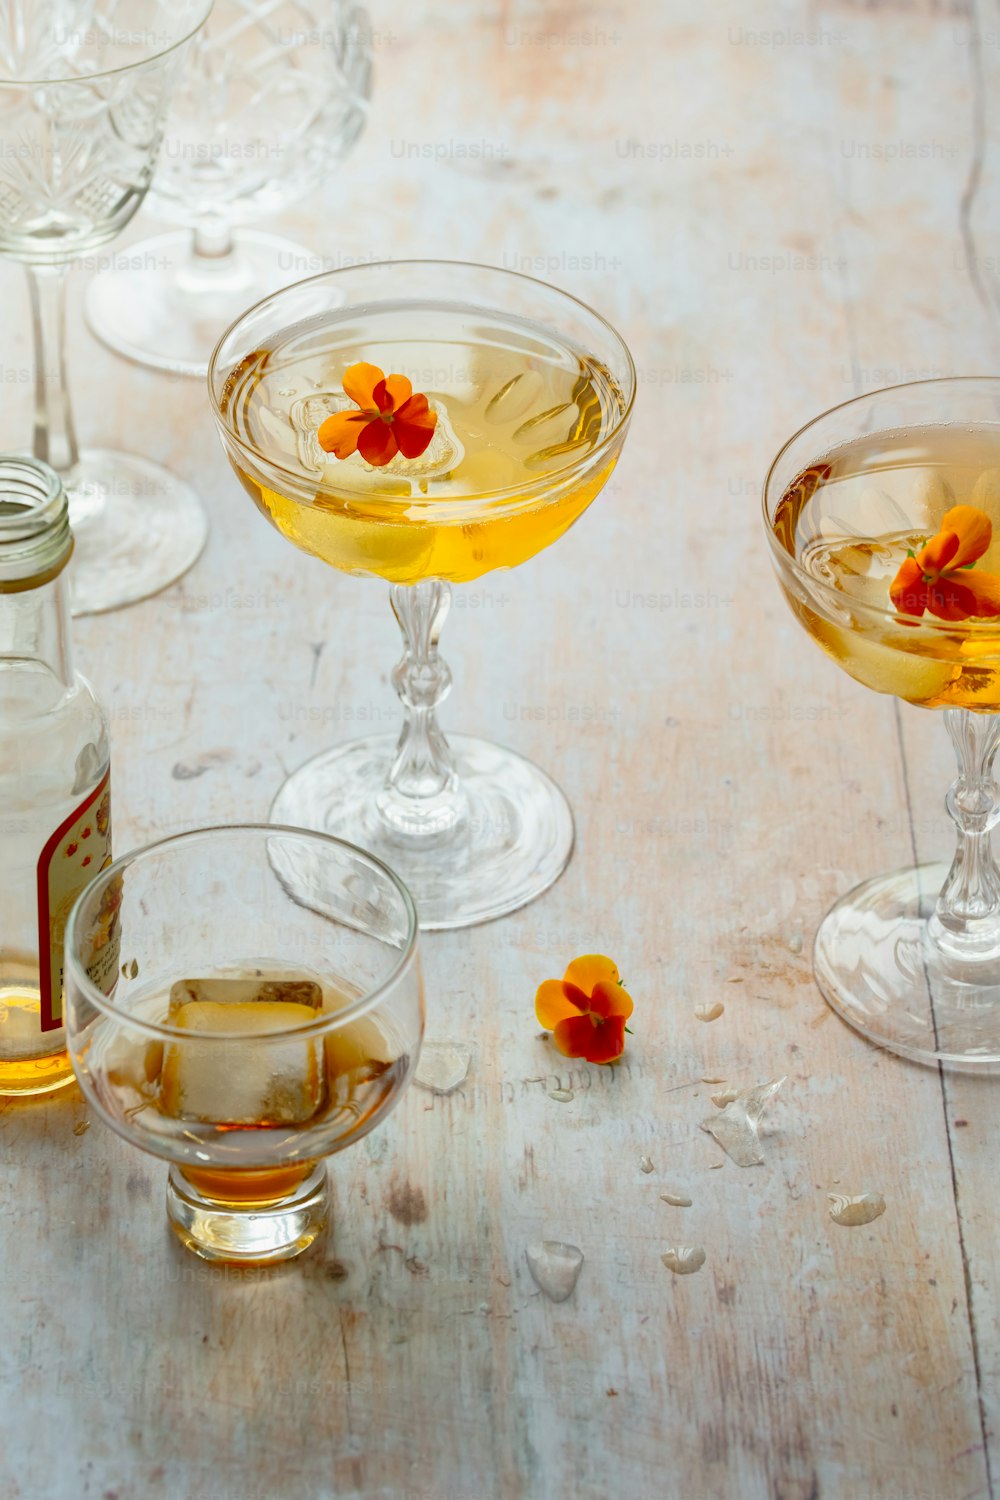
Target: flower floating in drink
pixel 882 517
pixel 942 577
pixel 390 419
pixel 426 423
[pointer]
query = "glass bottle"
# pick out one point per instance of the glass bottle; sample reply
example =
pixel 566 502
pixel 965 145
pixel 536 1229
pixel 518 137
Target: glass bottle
pixel 55 804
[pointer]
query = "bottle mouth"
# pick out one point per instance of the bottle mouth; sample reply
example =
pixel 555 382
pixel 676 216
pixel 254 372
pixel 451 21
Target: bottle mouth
pixel 35 539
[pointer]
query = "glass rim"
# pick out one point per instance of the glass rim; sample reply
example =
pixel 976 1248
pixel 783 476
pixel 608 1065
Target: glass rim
pixel 556 476
pixel 83 78
pixel 326 1022
pixel 36 541
pixel 819 586
pixel 50 502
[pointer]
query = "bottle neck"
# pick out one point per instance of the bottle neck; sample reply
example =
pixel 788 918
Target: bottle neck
pixel 35 628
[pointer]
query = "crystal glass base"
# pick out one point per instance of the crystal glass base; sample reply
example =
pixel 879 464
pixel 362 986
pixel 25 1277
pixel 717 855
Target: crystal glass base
pixel 513 840
pixel 169 308
pixel 136 526
pixel 880 966
pixel 251 1233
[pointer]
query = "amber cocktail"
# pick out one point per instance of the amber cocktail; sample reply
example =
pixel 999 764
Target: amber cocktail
pixel 529 393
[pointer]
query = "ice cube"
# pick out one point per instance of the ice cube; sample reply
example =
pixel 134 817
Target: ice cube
pixel 357 1054
pixel 483 472
pixel 221 1082
pixel 550 458
pixel 932 498
pixel 349 479
pixel 549 426
pixel 245 989
pixel 516 398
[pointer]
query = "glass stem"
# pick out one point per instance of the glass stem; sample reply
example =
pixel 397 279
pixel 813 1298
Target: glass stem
pixel 212 239
pixel 966 920
pixel 54 437
pixel 422 796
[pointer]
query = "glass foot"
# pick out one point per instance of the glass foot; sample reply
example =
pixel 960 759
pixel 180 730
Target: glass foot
pixel 876 964
pixel 137 528
pixel 247 1230
pixel 169 309
pixel 513 840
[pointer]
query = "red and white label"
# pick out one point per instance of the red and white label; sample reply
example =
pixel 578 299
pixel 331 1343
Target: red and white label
pixel 79 848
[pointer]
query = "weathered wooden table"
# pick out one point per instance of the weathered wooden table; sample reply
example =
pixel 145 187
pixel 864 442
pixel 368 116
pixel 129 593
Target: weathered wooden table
pixel 779 209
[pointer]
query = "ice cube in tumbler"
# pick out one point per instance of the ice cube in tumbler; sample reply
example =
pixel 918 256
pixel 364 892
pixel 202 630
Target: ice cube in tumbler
pixel 231 1082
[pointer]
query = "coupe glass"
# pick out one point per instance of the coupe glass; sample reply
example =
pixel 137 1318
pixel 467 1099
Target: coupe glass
pixel 218 1021
pixel 273 96
pixel 84 89
pixel 533 392
pixel 912 958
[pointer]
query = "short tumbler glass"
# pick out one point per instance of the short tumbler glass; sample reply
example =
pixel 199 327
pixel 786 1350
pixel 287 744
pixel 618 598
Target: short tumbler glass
pixel 217 1020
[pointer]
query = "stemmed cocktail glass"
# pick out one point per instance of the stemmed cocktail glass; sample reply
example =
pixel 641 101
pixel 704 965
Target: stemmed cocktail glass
pixel 883 517
pixel 531 394
pixel 84 90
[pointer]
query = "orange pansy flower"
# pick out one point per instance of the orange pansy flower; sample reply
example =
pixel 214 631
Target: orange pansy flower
pixel 586 1010
pixel 391 419
pixel 940 577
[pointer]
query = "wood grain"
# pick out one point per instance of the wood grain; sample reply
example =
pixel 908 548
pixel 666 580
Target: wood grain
pixel 715 189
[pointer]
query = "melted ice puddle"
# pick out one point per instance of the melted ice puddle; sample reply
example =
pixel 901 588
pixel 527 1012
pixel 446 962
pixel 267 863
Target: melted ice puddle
pixel 862 1208
pixel 684 1259
pixel 736 1127
pixel 554 1267
pixel 443 1067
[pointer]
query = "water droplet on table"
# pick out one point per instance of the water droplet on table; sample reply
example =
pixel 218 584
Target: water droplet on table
pixel 81 1127
pixel 561 1096
pixel 736 1127
pixel 710 1012
pixel 443 1066
pixel 676 1200
pixel 862 1208
pixel 684 1259
pixel 645 1165
pixel 795 942
pixel 724 1097
pixel 554 1268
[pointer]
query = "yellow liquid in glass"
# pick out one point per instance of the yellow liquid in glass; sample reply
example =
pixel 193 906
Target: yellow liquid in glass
pixel 33 1071
pixel 850 521
pixel 507 472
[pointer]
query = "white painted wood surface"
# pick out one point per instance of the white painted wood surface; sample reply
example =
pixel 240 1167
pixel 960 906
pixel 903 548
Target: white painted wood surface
pixel 780 206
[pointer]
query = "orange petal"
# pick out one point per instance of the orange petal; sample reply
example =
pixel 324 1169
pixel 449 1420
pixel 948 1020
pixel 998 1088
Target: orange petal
pixel 579 1037
pixel 985 588
pixel 590 969
pixel 414 424
pixel 377 445
pixel 339 433
pixel 611 1000
pixel 908 591
pixel 395 391
pixel 939 552
pixel 359 383
pixel 974 530
pixel 552 1004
